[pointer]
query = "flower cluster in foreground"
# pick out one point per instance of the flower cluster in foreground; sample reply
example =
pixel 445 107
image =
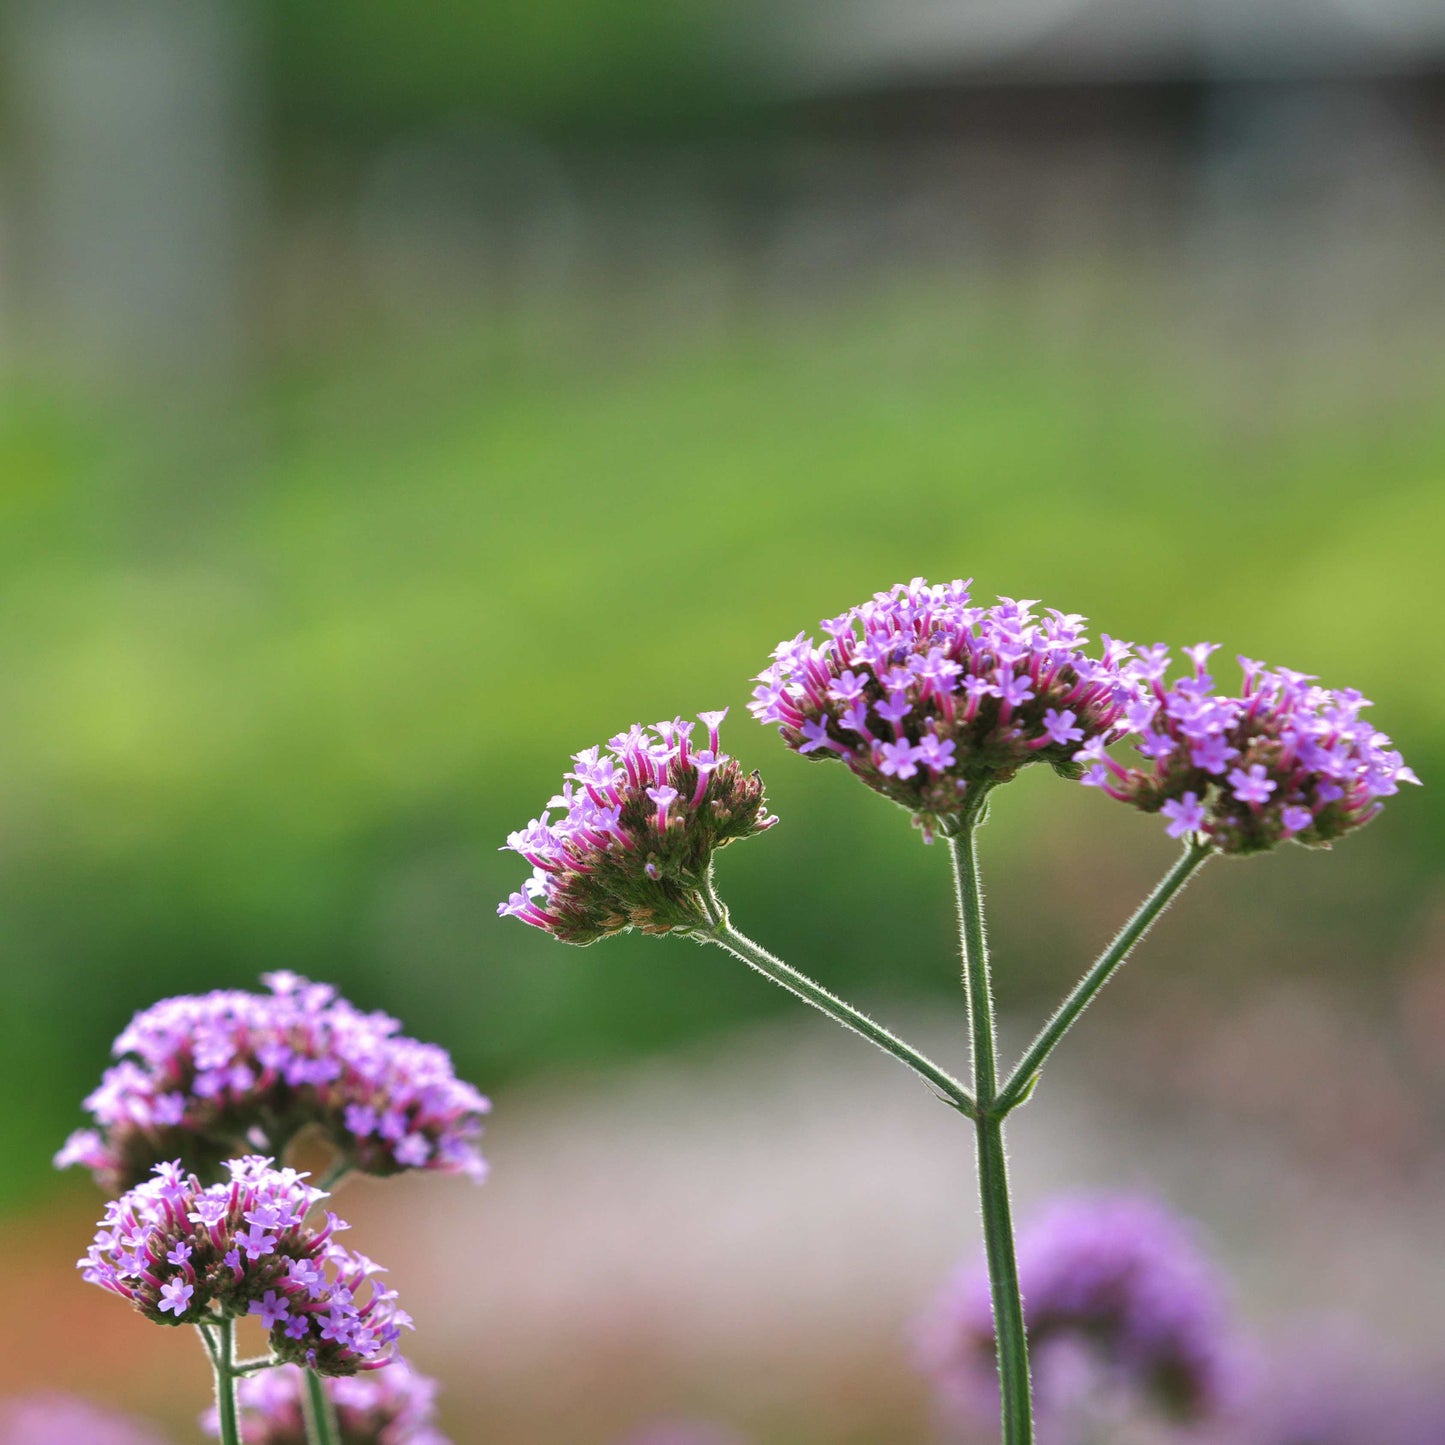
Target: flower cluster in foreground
pixel 206 1077
pixel 1120 1307
pixel 183 1253
pixel 639 823
pixel 1284 760
pixel 394 1406
pixel 922 694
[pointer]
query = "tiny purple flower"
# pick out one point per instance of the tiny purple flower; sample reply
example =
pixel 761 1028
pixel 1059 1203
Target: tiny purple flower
pixel 1059 726
pixel 176 1296
pixel 1186 815
pixel 272 1307
pixel 1253 786
pixel 1212 753
pixel 664 797
pixel 895 760
pixel 1296 820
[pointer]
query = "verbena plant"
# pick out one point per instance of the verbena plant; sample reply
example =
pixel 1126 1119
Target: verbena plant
pixel 936 703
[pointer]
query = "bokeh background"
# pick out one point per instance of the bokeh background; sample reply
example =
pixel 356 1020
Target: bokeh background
pixel 396 399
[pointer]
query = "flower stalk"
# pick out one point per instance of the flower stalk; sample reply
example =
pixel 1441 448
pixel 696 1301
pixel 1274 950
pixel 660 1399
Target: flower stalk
pixel 319 1413
pixel 219 1338
pixel 993 1188
pixel 1026 1072
pixel 801 986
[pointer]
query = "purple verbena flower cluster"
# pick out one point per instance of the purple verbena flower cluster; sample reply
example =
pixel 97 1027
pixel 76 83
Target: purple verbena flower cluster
pixel 1285 760
pixel 1113 1285
pixel 633 846
pixel 923 695
pixel 184 1253
pixel 394 1406
pixel 203 1078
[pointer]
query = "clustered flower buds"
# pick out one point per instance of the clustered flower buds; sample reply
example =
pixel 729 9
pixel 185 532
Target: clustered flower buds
pixel 1285 760
pixel 1118 1302
pixel 183 1253
pixel 394 1406
pixel 204 1078
pixel 634 843
pixel 923 695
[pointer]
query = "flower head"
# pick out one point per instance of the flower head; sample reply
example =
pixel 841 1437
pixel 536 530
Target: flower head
pixel 206 1077
pixel 249 1250
pixel 634 841
pixel 1284 760
pixel 392 1406
pixel 924 695
pixel 1119 1306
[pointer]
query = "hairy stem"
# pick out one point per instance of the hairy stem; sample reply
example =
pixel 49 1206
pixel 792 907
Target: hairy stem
pixel 993 1189
pixel 1025 1074
pixel 220 1341
pixel 321 1426
pixel 799 984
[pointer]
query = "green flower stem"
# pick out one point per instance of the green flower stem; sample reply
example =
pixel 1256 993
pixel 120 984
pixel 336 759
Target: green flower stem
pixel 757 957
pixel 1026 1072
pixel 321 1426
pixel 219 1338
pixel 1003 1277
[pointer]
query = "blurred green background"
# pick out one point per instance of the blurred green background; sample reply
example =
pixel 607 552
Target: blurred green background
pixel 398 400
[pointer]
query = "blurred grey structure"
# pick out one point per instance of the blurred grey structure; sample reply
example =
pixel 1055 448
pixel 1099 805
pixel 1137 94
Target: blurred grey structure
pixel 1267 175
pixel 132 185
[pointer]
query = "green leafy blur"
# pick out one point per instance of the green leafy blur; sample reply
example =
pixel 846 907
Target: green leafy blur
pixel 280 680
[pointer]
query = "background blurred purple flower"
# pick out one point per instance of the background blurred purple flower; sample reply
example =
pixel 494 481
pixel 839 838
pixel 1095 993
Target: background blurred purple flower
pixel 392 1406
pixel 685 1432
pixel 635 840
pixel 1123 1312
pixel 920 693
pixel 204 1078
pixel 65 1420
pixel 1343 1390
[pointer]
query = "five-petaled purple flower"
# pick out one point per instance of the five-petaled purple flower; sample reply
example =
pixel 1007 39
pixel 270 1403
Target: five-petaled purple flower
pixel 206 1077
pixel 633 846
pixel 922 694
pixel 1120 1306
pixel 320 1301
pixel 1285 759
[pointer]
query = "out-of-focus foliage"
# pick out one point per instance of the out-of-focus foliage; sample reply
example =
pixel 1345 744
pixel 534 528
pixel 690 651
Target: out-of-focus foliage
pixel 278 684
pixel 355 67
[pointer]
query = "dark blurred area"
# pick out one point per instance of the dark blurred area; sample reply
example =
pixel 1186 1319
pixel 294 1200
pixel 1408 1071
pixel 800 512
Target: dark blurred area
pixel 395 400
